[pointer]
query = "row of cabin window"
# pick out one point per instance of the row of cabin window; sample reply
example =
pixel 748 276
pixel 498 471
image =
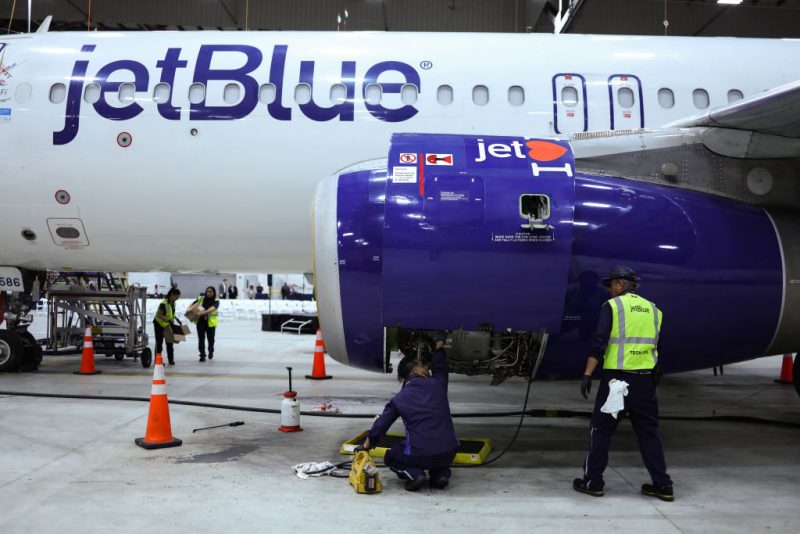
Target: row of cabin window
pixel 266 95
pixel 666 98
pixel 374 93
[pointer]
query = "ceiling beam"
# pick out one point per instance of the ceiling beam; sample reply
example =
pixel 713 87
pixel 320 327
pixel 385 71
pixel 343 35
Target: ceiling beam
pixel 228 11
pixel 717 15
pixel 81 11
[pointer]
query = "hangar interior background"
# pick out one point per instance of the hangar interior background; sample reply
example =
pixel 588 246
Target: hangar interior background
pixel 751 18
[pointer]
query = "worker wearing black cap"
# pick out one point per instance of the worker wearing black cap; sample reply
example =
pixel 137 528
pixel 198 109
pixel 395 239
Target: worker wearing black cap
pixel 627 342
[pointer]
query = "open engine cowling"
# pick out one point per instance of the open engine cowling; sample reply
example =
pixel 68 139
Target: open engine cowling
pixel 495 238
pixel 413 246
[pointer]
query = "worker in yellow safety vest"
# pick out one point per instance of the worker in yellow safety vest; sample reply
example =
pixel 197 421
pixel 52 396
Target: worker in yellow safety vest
pixel 207 321
pixel 165 316
pixel 627 342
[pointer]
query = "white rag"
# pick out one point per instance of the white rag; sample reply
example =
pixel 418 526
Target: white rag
pixel 617 389
pixel 312 469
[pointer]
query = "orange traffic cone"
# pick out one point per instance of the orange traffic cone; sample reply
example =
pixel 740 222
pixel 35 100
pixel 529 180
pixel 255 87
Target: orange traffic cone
pixel 786 370
pixel 159 431
pixel 87 358
pixel 318 369
pixel 324 347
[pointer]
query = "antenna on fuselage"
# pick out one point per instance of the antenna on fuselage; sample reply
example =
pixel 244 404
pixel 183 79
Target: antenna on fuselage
pixel 44 27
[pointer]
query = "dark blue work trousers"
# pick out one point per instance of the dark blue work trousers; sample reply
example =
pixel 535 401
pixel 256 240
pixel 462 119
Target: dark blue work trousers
pixel 641 406
pixel 410 467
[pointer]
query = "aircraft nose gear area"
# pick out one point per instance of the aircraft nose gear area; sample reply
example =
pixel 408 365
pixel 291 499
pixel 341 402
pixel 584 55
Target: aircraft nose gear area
pixel 19 350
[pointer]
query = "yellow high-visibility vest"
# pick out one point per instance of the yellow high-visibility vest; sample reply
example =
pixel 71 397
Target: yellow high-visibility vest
pixel 169 314
pixel 213 317
pixel 635 327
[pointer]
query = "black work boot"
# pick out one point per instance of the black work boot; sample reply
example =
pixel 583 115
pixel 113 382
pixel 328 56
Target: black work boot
pixel 439 482
pixel 417 483
pixel 580 485
pixel 211 355
pixel 660 492
pixel 202 357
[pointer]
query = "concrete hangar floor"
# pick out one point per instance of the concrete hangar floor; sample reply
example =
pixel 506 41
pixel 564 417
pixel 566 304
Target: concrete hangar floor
pixel 71 465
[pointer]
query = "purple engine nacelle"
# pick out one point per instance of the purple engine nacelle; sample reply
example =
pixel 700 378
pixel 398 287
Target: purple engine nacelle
pixel 465 233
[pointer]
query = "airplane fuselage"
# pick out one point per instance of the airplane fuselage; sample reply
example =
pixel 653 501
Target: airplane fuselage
pixel 201 151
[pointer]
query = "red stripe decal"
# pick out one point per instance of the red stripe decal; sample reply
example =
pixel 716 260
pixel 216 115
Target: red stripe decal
pixel 421 160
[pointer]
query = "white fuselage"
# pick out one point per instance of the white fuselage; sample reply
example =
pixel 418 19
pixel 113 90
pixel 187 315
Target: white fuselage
pixel 223 193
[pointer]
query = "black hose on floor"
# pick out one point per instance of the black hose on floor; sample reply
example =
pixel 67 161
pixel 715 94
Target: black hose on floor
pixel 558 414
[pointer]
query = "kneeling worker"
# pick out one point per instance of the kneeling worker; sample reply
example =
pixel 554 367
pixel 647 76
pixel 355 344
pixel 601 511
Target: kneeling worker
pixel 430 443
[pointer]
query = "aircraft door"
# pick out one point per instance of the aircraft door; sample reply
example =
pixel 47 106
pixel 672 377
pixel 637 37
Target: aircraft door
pixel 625 102
pixel 569 104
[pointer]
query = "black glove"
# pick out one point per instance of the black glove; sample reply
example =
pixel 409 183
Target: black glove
pixel 586 386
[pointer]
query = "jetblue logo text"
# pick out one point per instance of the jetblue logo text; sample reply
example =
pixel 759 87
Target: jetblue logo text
pixel 249 76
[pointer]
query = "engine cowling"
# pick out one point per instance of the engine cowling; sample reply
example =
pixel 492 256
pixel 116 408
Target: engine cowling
pixel 493 239
pixel 400 247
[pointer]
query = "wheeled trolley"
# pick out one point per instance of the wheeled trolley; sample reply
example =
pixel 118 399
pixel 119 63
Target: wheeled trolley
pixel 117 315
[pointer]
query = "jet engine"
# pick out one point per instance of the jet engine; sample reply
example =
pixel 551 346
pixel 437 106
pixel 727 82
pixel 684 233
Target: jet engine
pixel 497 241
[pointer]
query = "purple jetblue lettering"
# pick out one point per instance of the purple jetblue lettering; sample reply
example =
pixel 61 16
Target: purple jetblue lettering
pixel 248 72
pixel 169 66
pixel 344 110
pixel 141 81
pixel 203 73
pixel 73 111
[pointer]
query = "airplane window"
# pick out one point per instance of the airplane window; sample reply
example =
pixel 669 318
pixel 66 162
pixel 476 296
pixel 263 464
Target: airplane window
pixel 444 95
pixel 625 97
pixel 734 95
pixel 373 94
pixel 408 94
pixel 23 93
pixel 231 93
pixel 92 93
pixel 700 98
pixel 267 93
pixel 666 98
pixel 197 93
pixel 569 96
pixel 516 95
pixel 161 93
pixel 302 93
pixel 126 92
pixel 58 93
pixel 338 94
pixel 480 95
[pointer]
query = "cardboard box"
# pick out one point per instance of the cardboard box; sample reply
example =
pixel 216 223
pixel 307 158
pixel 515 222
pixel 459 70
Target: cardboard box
pixel 193 313
pixel 171 336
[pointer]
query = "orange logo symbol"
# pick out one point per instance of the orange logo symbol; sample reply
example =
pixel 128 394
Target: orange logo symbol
pixel 545 150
